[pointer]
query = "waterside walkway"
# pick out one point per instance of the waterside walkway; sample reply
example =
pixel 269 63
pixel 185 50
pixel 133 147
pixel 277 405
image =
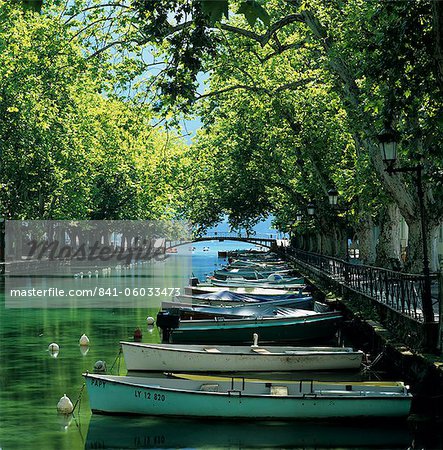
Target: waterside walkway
pixel 395 297
pixel 383 314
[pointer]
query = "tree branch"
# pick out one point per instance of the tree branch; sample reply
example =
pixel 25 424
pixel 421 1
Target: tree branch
pixel 291 18
pixel 233 88
pixel 104 5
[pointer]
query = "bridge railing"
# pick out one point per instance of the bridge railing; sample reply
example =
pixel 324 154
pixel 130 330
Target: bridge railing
pixel 234 235
pixel 400 291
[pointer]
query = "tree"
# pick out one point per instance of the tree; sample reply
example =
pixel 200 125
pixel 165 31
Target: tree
pixel 67 150
pixel 382 66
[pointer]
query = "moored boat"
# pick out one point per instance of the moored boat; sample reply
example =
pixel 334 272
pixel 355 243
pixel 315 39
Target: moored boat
pixel 283 283
pixel 234 298
pixel 300 325
pixel 238 307
pixel 248 274
pixel 203 358
pixel 206 288
pixel 238 398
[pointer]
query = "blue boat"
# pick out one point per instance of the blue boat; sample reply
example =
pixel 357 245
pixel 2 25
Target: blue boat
pixel 246 399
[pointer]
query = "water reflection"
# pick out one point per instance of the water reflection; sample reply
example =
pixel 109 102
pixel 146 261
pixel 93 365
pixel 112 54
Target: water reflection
pixel 32 382
pixel 106 432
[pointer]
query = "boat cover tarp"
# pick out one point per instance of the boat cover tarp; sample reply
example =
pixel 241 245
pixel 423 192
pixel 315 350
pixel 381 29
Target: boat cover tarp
pixel 252 298
pixel 261 310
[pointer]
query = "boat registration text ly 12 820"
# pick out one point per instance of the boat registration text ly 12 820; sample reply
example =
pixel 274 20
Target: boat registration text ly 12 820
pixel 148 395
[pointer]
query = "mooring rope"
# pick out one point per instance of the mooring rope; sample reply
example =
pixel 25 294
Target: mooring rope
pixel 79 397
pixel 370 365
pixel 117 359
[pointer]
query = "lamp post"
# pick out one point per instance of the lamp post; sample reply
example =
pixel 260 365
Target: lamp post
pixel 388 143
pixel 333 196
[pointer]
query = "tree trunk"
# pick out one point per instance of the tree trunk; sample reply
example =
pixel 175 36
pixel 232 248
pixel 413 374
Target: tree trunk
pixel 434 255
pixel 402 192
pixel 367 244
pixel 328 245
pixel 414 254
pixel 388 247
pixel 340 242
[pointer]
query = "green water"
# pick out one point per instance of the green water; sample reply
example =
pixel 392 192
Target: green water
pixel 32 382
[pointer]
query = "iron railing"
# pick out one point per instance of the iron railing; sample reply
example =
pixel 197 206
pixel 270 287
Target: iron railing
pixel 400 291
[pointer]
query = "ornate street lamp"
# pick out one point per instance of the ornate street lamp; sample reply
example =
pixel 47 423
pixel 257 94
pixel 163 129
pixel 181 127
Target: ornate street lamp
pixel 333 196
pixel 388 142
pixel 299 216
pixel 311 209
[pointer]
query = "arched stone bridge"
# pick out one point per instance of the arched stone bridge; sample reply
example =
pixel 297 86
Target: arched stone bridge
pixel 264 240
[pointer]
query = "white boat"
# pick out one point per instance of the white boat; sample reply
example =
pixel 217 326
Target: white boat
pixel 209 288
pixel 219 358
pixel 240 398
pixel 234 282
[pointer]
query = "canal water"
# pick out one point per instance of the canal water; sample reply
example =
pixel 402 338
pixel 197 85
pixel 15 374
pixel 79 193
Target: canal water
pixel 32 381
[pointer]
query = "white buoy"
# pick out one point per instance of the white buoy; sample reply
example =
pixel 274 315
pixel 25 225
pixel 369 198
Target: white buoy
pixel 150 320
pixel 255 336
pixel 84 340
pixel 53 348
pixel 65 405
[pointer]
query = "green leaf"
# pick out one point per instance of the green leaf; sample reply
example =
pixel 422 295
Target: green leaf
pixel 263 15
pixel 34 5
pixel 252 11
pixel 215 9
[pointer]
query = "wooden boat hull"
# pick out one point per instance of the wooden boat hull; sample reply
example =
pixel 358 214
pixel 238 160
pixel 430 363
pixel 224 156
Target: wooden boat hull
pixel 198 358
pixel 255 400
pixel 275 329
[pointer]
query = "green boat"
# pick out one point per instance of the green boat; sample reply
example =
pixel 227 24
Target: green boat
pixel 301 325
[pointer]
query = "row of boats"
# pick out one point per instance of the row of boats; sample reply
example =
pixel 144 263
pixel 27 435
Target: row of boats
pixel 215 336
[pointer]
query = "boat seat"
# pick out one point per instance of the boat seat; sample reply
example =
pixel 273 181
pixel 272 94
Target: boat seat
pixel 279 390
pixel 212 350
pixel 209 387
pixel 263 351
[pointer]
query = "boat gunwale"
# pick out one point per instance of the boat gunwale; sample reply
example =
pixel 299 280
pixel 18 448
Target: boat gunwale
pixel 228 393
pixel 205 324
pixel 341 351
